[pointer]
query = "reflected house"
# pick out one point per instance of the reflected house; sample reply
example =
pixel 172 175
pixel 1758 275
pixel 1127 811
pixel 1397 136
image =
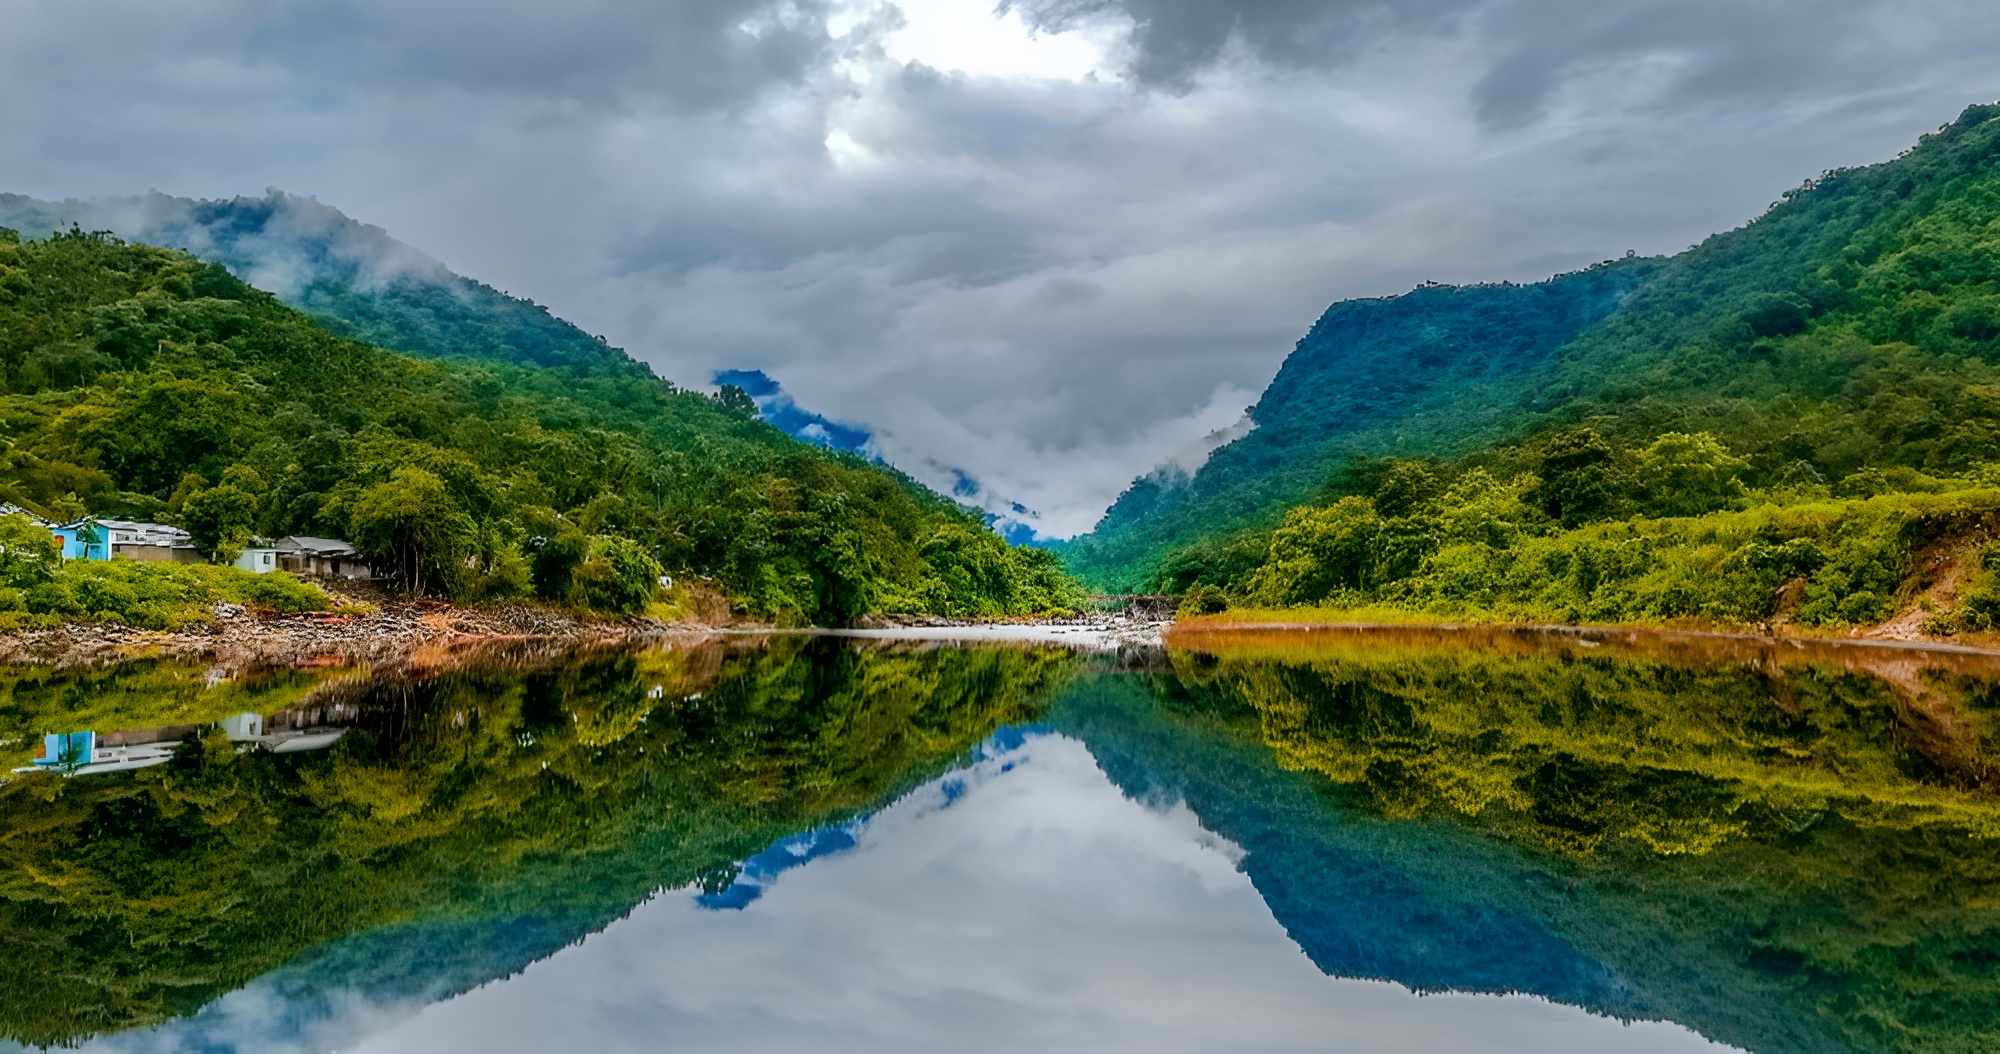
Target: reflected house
pixel 75 753
pixel 88 753
pixel 329 557
pixel 94 539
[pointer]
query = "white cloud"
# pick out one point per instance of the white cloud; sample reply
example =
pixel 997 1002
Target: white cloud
pixel 966 36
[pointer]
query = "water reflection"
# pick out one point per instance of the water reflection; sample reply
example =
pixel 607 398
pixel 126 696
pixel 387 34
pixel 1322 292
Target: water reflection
pixel 1031 907
pixel 505 810
pixel 1784 847
pixel 1386 841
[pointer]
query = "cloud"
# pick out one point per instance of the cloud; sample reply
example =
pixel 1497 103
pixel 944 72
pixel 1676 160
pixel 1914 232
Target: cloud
pixel 1718 47
pixel 1049 250
pixel 1174 40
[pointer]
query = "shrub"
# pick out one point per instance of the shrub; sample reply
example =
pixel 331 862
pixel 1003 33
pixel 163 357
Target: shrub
pixel 617 575
pixel 1202 600
pixel 162 595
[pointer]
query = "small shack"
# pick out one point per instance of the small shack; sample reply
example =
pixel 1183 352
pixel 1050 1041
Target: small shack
pixel 261 558
pixel 330 557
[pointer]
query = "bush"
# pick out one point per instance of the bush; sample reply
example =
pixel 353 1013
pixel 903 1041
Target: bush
pixel 617 575
pixel 161 595
pixel 1202 600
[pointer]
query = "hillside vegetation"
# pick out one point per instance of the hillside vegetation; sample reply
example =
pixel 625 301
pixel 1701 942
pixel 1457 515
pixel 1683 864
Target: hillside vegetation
pixel 147 382
pixel 351 278
pixel 1797 418
pixel 1408 374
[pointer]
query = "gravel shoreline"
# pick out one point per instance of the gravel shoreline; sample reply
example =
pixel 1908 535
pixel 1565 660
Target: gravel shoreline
pixel 397 632
pixel 405 632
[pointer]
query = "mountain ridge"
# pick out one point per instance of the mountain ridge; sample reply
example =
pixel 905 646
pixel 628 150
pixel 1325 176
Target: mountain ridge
pixel 352 277
pixel 1785 337
pixel 1485 335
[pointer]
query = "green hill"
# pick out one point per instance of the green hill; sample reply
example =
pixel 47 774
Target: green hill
pixel 350 277
pixel 149 382
pixel 1367 372
pixel 1840 346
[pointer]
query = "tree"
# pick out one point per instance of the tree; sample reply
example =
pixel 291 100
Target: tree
pixel 1684 474
pixel 1576 476
pixel 1405 487
pixel 218 520
pixel 411 523
pixel 556 547
pixel 736 402
pixel 617 575
pixel 1320 550
pixel 29 554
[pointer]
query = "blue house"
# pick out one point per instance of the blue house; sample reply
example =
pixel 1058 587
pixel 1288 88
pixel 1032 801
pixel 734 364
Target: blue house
pixel 83 540
pixel 67 750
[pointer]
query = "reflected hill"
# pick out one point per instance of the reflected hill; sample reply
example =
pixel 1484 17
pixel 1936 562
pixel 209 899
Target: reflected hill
pixel 467 824
pixel 1788 848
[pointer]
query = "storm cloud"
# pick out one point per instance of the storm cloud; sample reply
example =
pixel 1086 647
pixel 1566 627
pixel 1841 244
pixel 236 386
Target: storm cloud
pixel 1049 245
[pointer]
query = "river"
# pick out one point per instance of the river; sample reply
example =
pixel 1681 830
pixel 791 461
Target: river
pixel 1387 840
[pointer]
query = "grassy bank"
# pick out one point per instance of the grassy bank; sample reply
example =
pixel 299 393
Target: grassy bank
pixel 1926 563
pixel 148 595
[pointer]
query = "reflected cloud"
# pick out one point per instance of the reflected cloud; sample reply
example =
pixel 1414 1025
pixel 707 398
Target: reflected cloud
pixel 1042 909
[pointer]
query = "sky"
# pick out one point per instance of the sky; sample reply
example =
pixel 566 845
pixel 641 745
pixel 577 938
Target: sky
pixel 1024 903
pixel 1047 245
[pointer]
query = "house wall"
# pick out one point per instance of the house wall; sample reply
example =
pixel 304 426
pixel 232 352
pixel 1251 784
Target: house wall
pixel 261 561
pixel 158 553
pixel 330 567
pixel 73 550
pixel 348 567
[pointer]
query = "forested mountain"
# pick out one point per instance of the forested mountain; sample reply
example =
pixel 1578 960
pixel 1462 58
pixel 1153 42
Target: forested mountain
pixel 1410 374
pixel 146 381
pixel 352 278
pixel 1841 346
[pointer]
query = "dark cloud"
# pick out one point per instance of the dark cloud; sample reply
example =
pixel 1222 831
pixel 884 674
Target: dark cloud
pixel 700 53
pixel 1051 283
pixel 1174 40
pixel 1719 46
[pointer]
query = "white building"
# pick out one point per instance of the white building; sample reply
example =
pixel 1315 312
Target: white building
pixel 262 559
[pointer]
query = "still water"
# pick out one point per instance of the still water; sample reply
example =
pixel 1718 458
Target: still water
pixel 1405 841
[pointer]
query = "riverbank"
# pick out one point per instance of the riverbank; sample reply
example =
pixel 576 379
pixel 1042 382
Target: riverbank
pixel 371 627
pixel 1906 627
pixel 382 631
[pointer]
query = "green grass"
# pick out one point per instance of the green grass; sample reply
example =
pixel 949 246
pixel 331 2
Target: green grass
pixel 161 596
